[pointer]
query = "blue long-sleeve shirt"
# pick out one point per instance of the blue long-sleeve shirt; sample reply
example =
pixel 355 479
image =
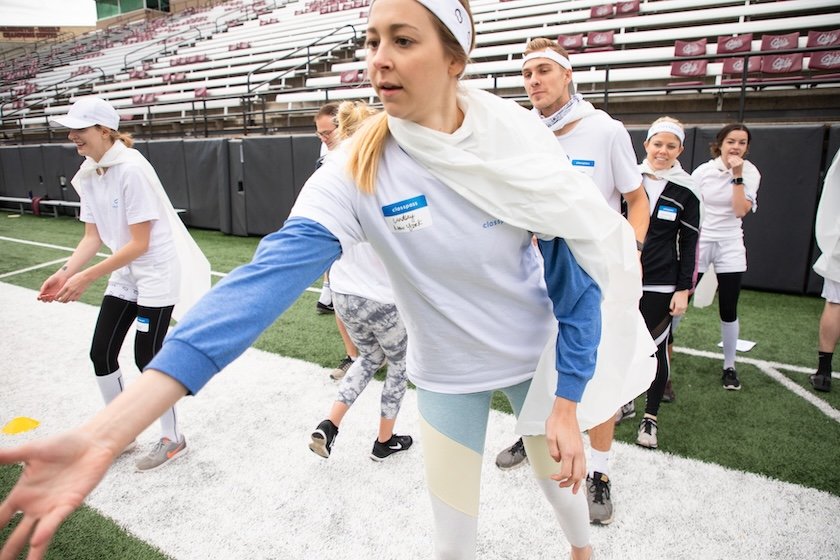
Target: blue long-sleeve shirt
pixel 234 313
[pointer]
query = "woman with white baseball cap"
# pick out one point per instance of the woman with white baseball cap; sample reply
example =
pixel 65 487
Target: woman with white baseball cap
pixel 124 206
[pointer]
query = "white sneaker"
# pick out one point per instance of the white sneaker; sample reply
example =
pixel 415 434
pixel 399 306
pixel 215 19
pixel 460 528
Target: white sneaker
pixel 647 433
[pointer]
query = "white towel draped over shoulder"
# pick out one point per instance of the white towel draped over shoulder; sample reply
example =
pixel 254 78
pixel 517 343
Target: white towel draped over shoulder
pixel 195 269
pixel 506 162
pixel 827 225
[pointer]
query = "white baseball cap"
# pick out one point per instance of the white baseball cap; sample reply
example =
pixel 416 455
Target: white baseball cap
pixel 89 111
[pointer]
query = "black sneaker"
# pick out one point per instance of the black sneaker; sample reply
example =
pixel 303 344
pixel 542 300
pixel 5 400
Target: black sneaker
pixel 322 309
pixel 821 381
pixel 730 380
pixel 323 438
pixel 598 498
pixel 382 451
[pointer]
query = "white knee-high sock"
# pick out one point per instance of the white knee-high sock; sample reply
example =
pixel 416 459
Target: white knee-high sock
pixel 110 385
pixel 169 425
pixel 729 333
pixel 325 297
pixel 571 510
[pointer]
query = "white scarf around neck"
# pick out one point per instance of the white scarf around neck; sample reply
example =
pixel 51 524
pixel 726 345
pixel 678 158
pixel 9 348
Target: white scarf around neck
pixel 505 162
pixel 195 268
pixel 575 109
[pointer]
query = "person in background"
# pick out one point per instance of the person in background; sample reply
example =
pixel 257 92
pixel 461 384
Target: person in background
pixel 827 229
pixel 326 128
pixel 599 147
pixel 154 263
pixel 364 302
pixel 728 185
pixel 669 254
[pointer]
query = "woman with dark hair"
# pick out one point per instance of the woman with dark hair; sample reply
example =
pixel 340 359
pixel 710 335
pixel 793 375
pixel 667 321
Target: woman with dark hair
pixel 728 184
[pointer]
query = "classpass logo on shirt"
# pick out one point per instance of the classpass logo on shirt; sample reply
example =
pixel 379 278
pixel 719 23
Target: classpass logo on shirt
pixel 115 203
pixel 408 215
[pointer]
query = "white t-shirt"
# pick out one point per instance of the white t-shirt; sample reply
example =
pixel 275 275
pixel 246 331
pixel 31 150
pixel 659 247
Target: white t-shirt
pixel 600 147
pixel 461 278
pixel 121 197
pixel 714 181
pixel 360 272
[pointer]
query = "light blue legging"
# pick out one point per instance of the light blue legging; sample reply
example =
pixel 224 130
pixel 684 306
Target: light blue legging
pixel 453 429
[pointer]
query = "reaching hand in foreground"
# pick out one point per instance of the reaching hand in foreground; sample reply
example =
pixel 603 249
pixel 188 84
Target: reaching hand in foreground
pixel 58 473
pixel 565 444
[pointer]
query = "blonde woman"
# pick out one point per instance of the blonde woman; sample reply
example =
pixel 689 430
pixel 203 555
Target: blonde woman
pixel 447 185
pixel 124 207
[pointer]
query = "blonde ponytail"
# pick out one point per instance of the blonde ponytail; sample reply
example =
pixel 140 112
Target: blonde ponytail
pixel 366 150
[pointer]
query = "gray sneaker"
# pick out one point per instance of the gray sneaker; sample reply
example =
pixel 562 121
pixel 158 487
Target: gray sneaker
pixel 626 412
pixel 598 498
pixel 165 451
pixel 512 457
pixel 339 372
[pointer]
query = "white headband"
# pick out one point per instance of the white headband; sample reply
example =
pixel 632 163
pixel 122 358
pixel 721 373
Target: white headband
pixel 666 126
pixel 456 19
pixel 548 53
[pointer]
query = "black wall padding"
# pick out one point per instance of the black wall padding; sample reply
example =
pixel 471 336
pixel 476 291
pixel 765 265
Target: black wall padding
pixel 686 158
pixel 305 153
pixel 269 182
pixel 207 176
pixel 235 219
pixel 167 157
pixel 61 162
pixel 778 236
pixel 815 281
pixel 33 169
pixel 12 171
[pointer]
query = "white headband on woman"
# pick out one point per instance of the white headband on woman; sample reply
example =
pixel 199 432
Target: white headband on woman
pixel 456 19
pixel 548 53
pixel 666 126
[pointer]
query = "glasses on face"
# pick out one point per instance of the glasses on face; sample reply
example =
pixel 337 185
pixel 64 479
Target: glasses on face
pixel 324 134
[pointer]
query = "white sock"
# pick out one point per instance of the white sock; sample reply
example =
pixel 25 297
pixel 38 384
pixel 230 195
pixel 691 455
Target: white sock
pixel 326 295
pixel 169 425
pixel 110 385
pixel 729 333
pixel 599 461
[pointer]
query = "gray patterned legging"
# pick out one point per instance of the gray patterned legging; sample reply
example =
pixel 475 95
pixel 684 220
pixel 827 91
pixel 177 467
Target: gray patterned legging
pixel 378 333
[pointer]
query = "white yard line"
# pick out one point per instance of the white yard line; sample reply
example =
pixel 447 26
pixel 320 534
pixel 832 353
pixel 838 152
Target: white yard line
pixel 772 370
pixel 29 268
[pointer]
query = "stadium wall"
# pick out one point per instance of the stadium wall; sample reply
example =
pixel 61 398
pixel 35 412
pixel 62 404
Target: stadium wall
pixel 247 186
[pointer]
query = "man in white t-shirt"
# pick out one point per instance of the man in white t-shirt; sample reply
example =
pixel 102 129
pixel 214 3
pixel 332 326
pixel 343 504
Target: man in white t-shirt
pixel 600 147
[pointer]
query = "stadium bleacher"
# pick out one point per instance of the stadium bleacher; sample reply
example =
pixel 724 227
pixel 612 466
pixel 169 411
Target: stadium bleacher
pixel 231 61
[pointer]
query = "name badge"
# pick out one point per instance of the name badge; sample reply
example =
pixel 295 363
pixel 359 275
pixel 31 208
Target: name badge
pixel 585 166
pixel 408 215
pixel 142 324
pixel 667 213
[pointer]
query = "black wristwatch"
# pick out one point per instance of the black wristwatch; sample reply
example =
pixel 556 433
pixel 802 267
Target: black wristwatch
pixel 737 180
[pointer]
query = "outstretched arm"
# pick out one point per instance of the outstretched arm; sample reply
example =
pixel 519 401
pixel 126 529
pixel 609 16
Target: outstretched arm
pixel 61 470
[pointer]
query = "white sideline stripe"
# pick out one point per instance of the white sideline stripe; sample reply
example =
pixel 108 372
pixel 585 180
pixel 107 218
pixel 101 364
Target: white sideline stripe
pixel 29 268
pixel 772 370
pixel 70 249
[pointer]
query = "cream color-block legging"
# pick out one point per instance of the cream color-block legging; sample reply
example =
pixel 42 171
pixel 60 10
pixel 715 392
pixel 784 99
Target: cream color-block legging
pixel 453 429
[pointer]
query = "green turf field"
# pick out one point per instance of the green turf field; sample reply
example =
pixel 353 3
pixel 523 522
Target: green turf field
pixel 765 428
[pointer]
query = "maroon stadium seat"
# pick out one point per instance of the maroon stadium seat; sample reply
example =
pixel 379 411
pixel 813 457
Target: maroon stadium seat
pixel 782 42
pixel 690 48
pixel 572 43
pixel 624 9
pixel 600 41
pixel 734 68
pixel 601 12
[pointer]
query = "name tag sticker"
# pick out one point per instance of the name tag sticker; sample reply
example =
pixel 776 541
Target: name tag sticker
pixel 408 215
pixel 667 213
pixel 585 166
pixel 142 324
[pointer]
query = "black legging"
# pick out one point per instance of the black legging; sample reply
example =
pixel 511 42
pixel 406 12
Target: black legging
pixel 729 288
pixel 115 318
pixel 656 310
